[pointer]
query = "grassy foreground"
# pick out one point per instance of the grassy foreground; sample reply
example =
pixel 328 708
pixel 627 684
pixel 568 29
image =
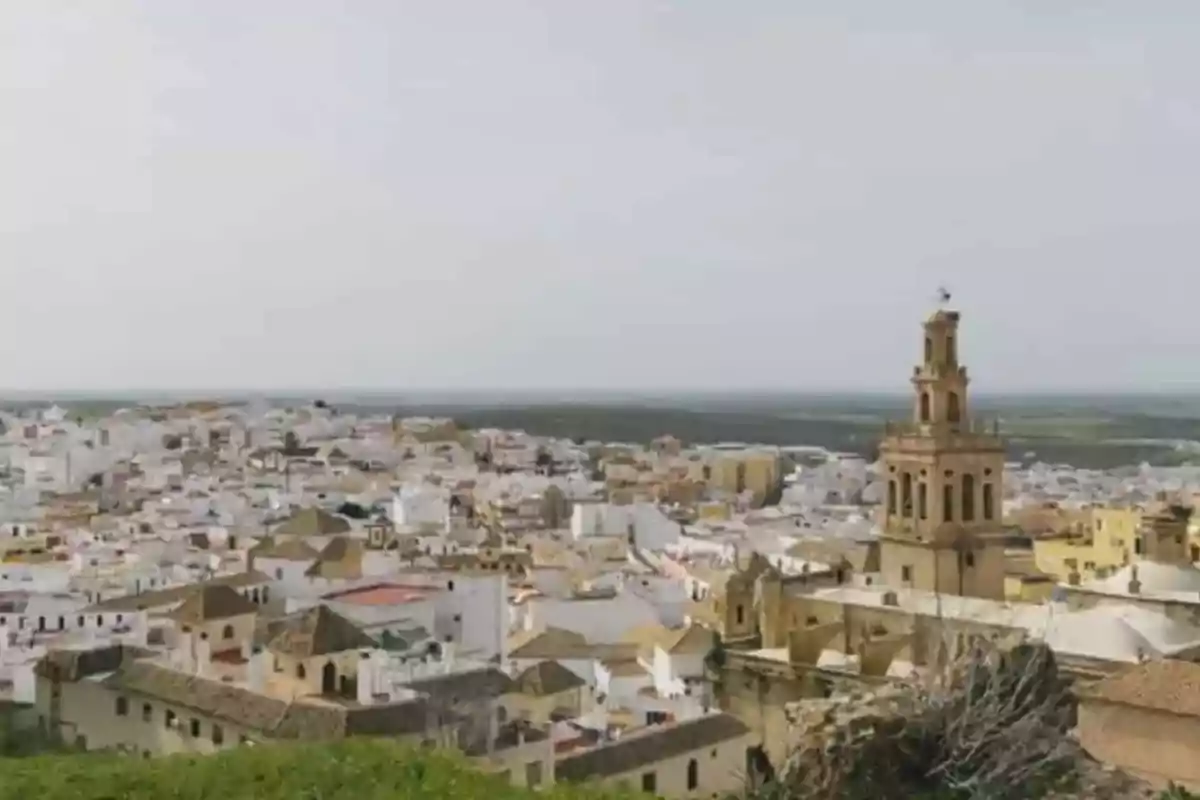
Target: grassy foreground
pixel 349 770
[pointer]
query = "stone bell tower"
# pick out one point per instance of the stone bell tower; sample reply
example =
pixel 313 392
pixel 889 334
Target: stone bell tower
pixel 941 519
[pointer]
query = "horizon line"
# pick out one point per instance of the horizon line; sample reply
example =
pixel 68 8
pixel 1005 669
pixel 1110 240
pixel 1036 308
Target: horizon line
pixel 561 392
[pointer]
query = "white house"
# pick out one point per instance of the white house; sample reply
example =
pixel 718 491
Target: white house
pixel 646 526
pixel 422 506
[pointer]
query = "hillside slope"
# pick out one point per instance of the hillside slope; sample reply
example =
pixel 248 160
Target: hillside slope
pixel 349 770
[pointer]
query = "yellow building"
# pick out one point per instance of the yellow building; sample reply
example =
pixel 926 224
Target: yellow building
pixel 737 471
pixel 1105 541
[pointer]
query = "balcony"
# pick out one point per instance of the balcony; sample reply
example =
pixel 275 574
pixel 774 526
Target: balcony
pixel 971 434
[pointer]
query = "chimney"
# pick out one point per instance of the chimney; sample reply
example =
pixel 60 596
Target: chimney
pixel 256 670
pixel 203 655
pixel 184 650
pixel 1135 586
pixel 366 679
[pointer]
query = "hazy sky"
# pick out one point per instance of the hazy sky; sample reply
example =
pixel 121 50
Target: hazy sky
pixel 596 193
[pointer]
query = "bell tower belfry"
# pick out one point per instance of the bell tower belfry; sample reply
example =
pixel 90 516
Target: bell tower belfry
pixel 940 522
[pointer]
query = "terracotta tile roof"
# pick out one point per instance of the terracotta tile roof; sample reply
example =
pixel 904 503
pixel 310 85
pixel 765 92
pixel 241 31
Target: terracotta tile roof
pixel 211 603
pixel 649 746
pixel 340 559
pixel 312 522
pixel 287 549
pixel 168 597
pixel 271 716
pixel 559 644
pixel 628 668
pixel 1166 685
pixel 318 631
pixel 546 678
pixel 74 665
pixel 458 687
pixel 692 640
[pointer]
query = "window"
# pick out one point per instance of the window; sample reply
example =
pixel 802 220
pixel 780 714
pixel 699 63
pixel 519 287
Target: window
pixel 41 624
pixel 649 782
pixel 741 614
pixel 925 415
pixel 194 728
pixel 147 712
pixel 953 410
pixel 122 706
pixel 533 773
pixel 450 585
pixel 968 498
pixel 169 718
pixel 218 735
pixel 928 349
pixel 279 573
pixel 891 498
pixel 906 573
pixel 922 501
pixel 300 673
pixel 99 620
pixel 906 498
pixel 693 774
pixel 989 501
pixel 458 617
pixel 264 594
pixel 228 632
pixel 969 560
pixel 947 503
pixel 1137 545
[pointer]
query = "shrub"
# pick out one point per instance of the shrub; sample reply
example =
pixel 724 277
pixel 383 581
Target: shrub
pixel 359 769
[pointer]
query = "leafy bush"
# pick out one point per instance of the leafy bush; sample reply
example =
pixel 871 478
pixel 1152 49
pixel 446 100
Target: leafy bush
pixel 359 769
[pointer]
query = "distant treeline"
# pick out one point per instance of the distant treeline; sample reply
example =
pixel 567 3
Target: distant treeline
pixel 848 424
pixel 634 424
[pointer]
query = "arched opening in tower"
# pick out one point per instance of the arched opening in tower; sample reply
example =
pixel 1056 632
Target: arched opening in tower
pixel 906 497
pixel 953 409
pixel 925 413
pixel 968 497
pixel 928 349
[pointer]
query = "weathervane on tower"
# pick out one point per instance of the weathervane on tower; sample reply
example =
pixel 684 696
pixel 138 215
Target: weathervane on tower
pixel 943 296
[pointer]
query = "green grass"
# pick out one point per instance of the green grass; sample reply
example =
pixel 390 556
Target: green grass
pixel 357 769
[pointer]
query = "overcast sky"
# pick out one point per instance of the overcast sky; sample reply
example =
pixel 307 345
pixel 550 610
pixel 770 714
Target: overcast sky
pixel 633 194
